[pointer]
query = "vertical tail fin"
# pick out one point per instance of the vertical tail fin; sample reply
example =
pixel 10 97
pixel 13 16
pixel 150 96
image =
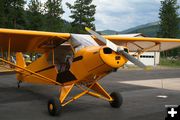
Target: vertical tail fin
pixel 20 62
pixel 20 59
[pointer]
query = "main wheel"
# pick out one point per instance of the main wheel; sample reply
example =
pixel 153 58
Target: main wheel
pixel 117 100
pixel 54 107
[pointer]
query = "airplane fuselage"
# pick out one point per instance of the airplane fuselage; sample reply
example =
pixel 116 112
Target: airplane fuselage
pixel 92 63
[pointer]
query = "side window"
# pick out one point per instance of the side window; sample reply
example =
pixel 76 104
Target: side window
pixel 63 56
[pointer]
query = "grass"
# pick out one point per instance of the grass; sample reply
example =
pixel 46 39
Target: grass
pixel 164 64
pixel 170 63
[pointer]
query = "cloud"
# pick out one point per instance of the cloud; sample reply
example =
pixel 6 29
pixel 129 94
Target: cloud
pixel 121 14
pixel 66 9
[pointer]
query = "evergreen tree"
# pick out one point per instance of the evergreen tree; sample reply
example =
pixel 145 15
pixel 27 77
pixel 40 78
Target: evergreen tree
pixel 2 14
pixel 34 17
pixel 82 14
pixel 14 13
pixel 168 19
pixel 169 23
pixel 53 12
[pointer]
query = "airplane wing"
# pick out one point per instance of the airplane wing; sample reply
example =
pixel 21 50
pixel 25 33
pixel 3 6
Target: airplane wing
pixel 26 40
pixel 144 43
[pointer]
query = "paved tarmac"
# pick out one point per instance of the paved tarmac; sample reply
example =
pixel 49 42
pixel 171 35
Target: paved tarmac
pixel 139 89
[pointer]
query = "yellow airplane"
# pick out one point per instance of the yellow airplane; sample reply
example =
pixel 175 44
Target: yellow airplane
pixel 73 60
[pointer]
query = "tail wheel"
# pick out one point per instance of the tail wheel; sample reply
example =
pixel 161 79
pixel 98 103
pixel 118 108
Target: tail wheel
pixel 18 83
pixel 54 107
pixel 117 100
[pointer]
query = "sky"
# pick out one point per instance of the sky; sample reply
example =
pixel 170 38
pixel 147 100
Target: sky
pixel 121 14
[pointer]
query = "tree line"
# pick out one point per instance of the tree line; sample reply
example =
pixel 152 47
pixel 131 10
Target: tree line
pixel 34 15
pixel 169 24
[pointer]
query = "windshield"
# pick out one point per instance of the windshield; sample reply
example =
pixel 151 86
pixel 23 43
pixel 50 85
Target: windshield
pixel 79 41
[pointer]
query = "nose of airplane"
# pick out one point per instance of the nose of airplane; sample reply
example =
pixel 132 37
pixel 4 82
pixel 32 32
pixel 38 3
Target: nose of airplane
pixel 111 58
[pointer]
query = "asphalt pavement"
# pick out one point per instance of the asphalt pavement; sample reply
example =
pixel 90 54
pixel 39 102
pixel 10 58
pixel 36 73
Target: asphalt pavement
pixel 140 90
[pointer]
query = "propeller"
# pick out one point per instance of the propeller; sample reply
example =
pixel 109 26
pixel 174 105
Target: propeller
pixel 117 49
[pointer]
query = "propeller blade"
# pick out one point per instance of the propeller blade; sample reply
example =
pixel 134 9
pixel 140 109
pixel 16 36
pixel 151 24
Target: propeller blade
pixel 116 48
pixel 102 39
pixel 99 37
pixel 133 60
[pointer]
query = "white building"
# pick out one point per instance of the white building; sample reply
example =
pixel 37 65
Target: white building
pixel 148 58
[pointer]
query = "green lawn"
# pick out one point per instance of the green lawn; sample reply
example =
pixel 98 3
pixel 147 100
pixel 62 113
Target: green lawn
pixel 169 63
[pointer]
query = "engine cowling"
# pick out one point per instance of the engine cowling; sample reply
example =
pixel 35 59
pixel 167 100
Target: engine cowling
pixel 111 58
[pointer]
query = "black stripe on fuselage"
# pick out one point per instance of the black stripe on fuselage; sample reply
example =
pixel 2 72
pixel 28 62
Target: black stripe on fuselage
pixel 77 58
pixel 47 68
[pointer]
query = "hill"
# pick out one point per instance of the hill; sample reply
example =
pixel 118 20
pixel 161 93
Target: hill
pixel 108 32
pixel 149 29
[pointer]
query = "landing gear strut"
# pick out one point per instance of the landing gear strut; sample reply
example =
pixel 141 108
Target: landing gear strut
pixel 117 100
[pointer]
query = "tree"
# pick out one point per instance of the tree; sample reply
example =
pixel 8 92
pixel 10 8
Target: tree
pixel 53 12
pixel 2 13
pixel 34 17
pixel 14 13
pixel 168 19
pixel 83 12
pixel 169 23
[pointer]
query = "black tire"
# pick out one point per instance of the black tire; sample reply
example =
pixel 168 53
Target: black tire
pixel 54 107
pixel 19 84
pixel 117 100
